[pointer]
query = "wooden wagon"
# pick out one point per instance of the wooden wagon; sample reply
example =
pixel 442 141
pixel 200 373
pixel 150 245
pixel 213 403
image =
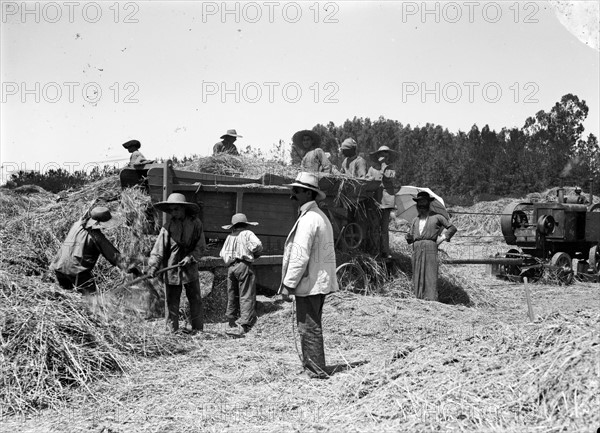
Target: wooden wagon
pixel 349 205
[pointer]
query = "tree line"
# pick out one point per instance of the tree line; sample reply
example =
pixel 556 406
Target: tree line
pixel 547 151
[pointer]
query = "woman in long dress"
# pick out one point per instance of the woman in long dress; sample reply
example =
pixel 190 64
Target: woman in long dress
pixel 426 234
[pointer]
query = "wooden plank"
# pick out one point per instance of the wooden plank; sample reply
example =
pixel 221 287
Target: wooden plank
pixel 190 177
pixel 239 202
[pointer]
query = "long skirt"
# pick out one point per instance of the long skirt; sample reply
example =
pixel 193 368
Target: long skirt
pixel 425 270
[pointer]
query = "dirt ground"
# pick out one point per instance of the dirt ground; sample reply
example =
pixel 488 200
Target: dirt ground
pixel 418 366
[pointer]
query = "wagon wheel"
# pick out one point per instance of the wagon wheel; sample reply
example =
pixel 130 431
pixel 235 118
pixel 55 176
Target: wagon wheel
pixel 565 273
pixel 352 236
pixel 512 272
pixel 594 259
pixel 351 277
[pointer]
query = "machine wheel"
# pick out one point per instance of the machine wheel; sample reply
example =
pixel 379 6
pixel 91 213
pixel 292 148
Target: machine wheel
pixel 594 259
pixel 565 274
pixel 352 278
pixel 352 236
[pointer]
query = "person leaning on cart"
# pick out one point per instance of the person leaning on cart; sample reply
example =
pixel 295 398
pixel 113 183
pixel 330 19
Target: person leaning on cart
pixel 426 234
pixel 381 171
pixel 308 270
pixel 181 243
pixel 81 249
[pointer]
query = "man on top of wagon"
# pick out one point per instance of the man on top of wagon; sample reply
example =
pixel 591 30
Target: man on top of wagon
pixel 578 198
pixel 353 164
pixel 226 145
pixel 314 159
pixel 133 147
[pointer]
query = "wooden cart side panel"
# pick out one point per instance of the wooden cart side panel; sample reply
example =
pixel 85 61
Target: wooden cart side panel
pixel 155 176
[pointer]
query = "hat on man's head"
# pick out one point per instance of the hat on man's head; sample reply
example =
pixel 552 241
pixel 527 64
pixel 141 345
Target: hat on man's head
pixel 298 136
pixel 101 218
pixel 423 195
pixel 239 218
pixel 132 143
pixel 231 133
pixel 349 143
pixel 308 180
pixel 392 153
pixel 176 199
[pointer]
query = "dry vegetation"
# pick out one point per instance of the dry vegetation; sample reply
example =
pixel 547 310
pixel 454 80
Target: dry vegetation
pixel 475 363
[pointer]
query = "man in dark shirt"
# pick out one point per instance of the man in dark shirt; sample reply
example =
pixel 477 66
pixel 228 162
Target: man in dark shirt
pixel 227 146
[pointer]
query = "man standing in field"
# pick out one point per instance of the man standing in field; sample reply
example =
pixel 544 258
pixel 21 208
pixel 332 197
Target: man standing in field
pixel 308 270
pixel 180 243
pixel 226 145
pixel 239 252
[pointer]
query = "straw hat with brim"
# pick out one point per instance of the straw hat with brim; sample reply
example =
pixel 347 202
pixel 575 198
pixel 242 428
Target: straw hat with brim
pixel 392 153
pixel 309 181
pixel 239 219
pixel 176 199
pixel 101 218
pixel 132 143
pixel 423 195
pixel 297 137
pixel 231 133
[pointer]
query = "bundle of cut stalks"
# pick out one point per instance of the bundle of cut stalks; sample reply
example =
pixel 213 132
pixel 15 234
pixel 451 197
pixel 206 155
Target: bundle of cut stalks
pixel 53 340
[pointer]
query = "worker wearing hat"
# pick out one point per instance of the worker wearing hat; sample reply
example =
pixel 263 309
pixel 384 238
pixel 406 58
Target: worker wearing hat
pixel 240 250
pixel 425 234
pixel 180 243
pixel 81 249
pixel 307 144
pixel 353 164
pixel 226 145
pixel 133 146
pixel 308 270
pixel 381 170
pixel 580 199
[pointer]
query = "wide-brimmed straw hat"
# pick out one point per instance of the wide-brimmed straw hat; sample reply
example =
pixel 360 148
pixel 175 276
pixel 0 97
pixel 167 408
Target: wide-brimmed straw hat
pixel 239 218
pixel 231 133
pixel 392 153
pixel 176 199
pixel 132 143
pixel 101 218
pixel 309 181
pixel 423 195
pixel 297 137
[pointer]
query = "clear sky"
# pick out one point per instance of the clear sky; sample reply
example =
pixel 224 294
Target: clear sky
pixel 169 73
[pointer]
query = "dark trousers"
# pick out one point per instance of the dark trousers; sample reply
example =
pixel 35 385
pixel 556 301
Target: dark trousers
pixel 84 282
pixel 241 294
pixel 309 310
pixel 173 295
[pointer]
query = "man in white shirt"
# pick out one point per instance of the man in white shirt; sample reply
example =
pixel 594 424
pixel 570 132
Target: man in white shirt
pixel 239 252
pixel 308 270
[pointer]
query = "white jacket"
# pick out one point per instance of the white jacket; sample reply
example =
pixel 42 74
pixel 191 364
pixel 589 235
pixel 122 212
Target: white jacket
pixel 309 255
